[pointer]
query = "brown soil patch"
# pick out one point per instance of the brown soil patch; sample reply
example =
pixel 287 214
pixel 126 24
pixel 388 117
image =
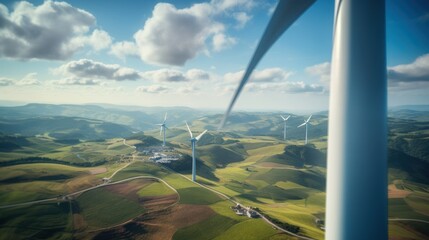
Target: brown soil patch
pixel 152 204
pixel 98 170
pixel 394 192
pixel 129 189
pixel 163 225
pixel 159 225
pixel 79 222
pixel 82 182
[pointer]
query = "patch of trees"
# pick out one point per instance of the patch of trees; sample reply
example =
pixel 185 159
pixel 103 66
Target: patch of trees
pixel 50 160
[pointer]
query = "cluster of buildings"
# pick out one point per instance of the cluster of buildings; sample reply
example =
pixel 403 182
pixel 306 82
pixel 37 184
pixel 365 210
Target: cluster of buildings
pixel 244 211
pixel 164 158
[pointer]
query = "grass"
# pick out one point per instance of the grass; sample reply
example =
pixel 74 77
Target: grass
pixel 36 222
pixel 197 196
pixel 27 182
pixel 102 208
pixel 155 189
pixel 252 229
pixel 207 229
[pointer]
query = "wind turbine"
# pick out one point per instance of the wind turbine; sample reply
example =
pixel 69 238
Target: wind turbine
pixel 356 198
pixel 194 140
pixel 284 128
pixel 306 125
pixel 162 130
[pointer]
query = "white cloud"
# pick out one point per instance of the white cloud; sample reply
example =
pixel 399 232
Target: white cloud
pixel 197 74
pixel 172 75
pixel 224 5
pixel 322 71
pixel 188 89
pixel 221 41
pixel 6 82
pixel 165 75
pixel 99 39
pixel 172 36
pixel 86 68
pixel 153 89
pixel 52 30
pixel 285 87
pixel 242 18
pixel 417 71
pixel 80 82
pixel 123 49
pixel 265 75
pixel 28 79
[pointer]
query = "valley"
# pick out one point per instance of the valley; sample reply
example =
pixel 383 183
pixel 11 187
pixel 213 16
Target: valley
pixel 102 184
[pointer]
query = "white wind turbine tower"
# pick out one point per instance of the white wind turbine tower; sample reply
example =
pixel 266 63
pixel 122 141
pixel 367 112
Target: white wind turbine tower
pixel 194 140
pixel 284 127
pixel 306 126
pixel 356 198
pixel 162 130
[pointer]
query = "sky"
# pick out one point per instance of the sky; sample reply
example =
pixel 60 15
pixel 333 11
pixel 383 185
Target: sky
pixel 191 53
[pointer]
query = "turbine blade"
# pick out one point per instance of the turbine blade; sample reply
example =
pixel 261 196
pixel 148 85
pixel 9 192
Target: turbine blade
pixel 159 124
pixel 287 11
pixel 160 131
pixel 308 118
pixel 190 133
pixel 165 117
pixel 284 119
pixel 287 118
pixel 199 136
pixel 302 124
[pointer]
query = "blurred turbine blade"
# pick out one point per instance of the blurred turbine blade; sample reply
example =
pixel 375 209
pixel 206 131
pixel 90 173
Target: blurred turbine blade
pixel 190 133
pixel 302 124
pixel 199 136
pixel 308 118
pixel 287 11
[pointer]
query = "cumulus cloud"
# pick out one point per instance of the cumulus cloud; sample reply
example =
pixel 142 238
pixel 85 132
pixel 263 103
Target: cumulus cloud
pixel 165 75
pixel 242 18
pixel 172 36
pixel 123 49
pixel 417 71
pixel 264 75
pixel 153 89
pixel 322 71
pixel 86 68
pixel 285 87
pixel 221 41
pixel 172 75
pixel 6 82
pixel 197 74
pixel 188 89
pixel 52 30
pixel 80 82
pixel 28 79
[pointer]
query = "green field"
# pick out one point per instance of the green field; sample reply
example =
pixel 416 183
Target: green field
pixel 101 208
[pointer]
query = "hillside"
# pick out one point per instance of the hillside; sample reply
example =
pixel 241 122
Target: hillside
pixel 64 128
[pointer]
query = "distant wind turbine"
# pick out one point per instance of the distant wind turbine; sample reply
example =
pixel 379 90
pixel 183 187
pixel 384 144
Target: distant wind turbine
pixel 356 204
pixel 163 127
pixel 306 126
pixel 284 127
pixel 194 140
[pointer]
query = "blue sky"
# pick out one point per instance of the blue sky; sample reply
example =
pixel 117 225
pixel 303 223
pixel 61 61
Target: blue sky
pixel 190 53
